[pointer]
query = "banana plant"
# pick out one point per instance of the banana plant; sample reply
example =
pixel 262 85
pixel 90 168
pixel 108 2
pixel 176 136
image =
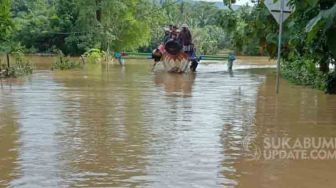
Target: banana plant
pixel 323 23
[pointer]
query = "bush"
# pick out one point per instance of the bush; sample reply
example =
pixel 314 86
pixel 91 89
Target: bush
pixel 21 66
pixel 3 69
pixel 93 55
pixel 64 63
pixel 303 71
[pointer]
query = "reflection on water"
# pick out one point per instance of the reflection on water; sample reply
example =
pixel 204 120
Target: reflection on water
pixel 8 139
pixel 296 113
pixel 175 83
pixel 129 127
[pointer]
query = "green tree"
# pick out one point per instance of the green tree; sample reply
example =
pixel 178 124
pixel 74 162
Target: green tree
pixel 37 25
pixel 118 25
pixel 203 14
pixel 75 26
pixel 311 44
pixel 209 39
pixel 6 23
pixel 229 2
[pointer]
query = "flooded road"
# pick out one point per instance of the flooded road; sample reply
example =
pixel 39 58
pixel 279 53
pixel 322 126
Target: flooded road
pixel 129 127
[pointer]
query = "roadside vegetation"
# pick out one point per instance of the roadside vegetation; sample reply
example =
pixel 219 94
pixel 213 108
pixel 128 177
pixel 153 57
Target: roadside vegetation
pixel 309 44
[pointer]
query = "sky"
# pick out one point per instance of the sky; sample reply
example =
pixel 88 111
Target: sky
pixel 239 2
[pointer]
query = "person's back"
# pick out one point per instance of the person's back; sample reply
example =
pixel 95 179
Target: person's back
pixel 173 46
pixel 231 59
pixel 118 56
pixel 185 38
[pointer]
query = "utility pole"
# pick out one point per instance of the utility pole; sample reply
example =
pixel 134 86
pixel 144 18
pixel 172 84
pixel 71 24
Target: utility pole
pixel 282 6
pixel 280 11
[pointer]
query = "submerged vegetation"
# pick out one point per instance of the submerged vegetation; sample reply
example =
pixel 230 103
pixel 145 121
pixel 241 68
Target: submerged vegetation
pixel 93 55
pixel 65 63
pixel 20 67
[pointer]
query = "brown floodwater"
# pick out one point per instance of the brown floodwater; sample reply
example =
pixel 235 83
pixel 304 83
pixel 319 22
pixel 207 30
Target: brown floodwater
pixel 129 127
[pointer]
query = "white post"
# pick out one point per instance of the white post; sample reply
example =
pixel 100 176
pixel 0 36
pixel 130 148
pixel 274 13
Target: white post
pixel 282 6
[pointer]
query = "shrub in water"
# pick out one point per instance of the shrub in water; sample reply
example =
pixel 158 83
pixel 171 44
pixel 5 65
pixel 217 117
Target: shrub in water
pixel 63 63
pixel 20 67
pixel 93 55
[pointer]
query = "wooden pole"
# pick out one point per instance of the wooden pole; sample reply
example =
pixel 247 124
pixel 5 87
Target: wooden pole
pixel 108 55
pixel 82 58
pixel 8 64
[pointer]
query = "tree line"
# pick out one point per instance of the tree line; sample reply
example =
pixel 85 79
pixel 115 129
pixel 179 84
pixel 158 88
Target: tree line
pixel 74 26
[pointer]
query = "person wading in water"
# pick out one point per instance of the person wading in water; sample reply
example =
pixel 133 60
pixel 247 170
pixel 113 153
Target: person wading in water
pixel 185 39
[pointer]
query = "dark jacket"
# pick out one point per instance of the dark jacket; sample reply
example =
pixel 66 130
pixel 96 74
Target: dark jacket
pixel 166 37
pixel 185 37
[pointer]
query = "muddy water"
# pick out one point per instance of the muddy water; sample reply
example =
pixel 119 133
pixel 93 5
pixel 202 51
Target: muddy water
pixel 128 127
